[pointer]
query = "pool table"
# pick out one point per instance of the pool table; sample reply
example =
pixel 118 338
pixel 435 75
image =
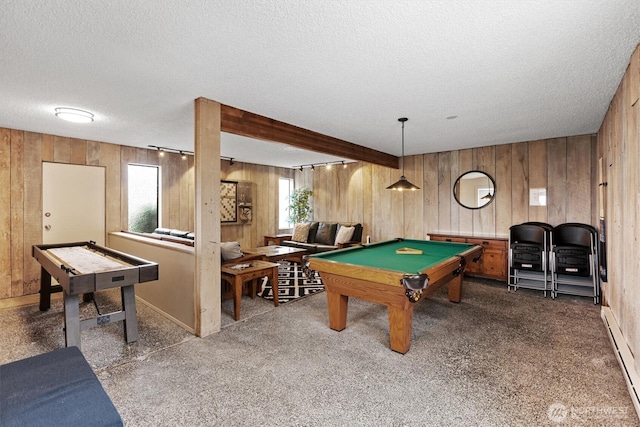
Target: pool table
pixel 375 272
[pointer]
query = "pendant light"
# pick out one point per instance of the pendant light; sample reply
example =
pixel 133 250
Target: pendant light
pixel 402 184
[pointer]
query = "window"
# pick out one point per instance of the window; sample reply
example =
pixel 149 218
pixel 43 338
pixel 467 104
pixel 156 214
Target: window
pixel 144 198
pixel 285 188
pixel 484 196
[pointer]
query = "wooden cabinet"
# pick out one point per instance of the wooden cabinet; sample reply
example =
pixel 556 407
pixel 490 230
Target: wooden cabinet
pixel 494 263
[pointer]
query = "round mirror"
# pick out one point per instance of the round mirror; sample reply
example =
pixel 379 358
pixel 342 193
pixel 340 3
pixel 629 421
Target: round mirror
pixel 474 189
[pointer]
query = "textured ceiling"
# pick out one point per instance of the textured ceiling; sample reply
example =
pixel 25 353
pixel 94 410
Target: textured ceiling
pixel 509 70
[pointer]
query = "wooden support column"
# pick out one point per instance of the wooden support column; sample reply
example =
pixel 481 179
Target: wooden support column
pixel 207 216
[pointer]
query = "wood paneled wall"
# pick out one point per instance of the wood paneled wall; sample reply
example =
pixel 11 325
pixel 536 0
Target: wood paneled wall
pixel 21 157
pixel 265 201
pixel 618 146
pixel 22 154
pixel 357 192
pixel 566 167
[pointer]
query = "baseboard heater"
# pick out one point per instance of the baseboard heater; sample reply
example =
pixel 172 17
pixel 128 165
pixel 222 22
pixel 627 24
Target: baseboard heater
pixel 624 356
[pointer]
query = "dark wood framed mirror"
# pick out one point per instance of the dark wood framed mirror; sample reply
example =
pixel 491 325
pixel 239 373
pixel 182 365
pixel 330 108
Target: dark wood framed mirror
pixel 474 189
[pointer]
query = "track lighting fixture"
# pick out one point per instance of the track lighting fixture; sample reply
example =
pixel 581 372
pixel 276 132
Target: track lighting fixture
pixel 328 165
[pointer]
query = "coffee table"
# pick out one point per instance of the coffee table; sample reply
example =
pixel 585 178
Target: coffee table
pixel 238 274
pixel 275 253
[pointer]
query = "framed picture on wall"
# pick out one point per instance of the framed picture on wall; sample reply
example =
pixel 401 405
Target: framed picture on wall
pixel 245 204
pixel 228 201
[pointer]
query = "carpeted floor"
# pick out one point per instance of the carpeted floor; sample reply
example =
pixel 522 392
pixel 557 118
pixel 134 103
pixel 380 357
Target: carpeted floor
pixel 495 359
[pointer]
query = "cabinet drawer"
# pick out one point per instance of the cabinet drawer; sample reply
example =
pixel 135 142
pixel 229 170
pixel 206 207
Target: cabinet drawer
pixel 494 260
pixel 487 244
pixel 449 239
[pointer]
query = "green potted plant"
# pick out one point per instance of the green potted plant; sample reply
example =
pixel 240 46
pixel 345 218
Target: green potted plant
pixel 300 205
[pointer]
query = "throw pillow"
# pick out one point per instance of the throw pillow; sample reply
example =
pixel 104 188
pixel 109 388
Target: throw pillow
pixel 301 232
pixel 326 234
pixel 230 250
pixel 344 235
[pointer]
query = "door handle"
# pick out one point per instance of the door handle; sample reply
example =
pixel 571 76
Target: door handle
pixel 47 227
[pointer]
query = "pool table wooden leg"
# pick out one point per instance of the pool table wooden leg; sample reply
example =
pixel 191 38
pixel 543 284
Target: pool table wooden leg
pixel 455 289
pixel 400 320
pixel 338 305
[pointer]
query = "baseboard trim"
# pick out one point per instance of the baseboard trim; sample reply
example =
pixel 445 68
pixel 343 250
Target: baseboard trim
pixel 624 356
pixel 164 314
pixel 32 299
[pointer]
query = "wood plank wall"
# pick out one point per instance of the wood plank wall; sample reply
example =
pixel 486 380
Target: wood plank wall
pixel 265 201
pixel 355 193
pixel 21 157
pixel 564 166
pixel 618 146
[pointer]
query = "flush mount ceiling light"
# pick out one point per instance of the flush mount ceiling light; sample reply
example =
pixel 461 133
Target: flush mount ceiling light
pixel 74 115
pixel 402 184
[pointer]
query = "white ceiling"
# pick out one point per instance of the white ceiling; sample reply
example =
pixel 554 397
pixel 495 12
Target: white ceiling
pixel 509 70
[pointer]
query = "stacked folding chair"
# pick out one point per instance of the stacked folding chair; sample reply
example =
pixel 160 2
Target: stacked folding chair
pixel 574 261
pixel 529 246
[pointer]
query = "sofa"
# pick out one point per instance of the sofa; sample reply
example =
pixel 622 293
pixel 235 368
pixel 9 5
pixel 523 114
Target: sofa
pixel 230 252
pixel 322 236
pixel 168 235
pixel 173 235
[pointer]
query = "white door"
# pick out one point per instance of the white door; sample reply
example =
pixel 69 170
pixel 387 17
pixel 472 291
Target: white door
pixel 73 203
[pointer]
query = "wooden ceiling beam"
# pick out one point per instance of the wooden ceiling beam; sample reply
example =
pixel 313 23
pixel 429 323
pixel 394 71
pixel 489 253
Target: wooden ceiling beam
pixel 240 122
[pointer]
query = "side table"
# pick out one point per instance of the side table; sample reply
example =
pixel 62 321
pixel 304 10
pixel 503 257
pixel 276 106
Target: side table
pixel 238 274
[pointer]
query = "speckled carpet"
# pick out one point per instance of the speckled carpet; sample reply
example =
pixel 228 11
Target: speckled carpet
pixel 495 359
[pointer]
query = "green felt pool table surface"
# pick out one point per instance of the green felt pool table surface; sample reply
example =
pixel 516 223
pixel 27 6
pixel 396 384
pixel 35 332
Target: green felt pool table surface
pixel 383 255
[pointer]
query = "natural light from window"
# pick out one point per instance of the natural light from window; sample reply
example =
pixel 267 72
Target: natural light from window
pixel 284 192
pixel 143 186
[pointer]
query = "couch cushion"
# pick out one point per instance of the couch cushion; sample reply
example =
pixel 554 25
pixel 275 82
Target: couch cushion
pixel 357 232
pixel 313 229
pixel 301 232
pixel 161 230
pixel 326 234
pixel 344 235
pixel 178 233
pixel 324 248
pixel 230 250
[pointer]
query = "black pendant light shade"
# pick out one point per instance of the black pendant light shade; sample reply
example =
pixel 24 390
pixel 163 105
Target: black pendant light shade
pixel 402 184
